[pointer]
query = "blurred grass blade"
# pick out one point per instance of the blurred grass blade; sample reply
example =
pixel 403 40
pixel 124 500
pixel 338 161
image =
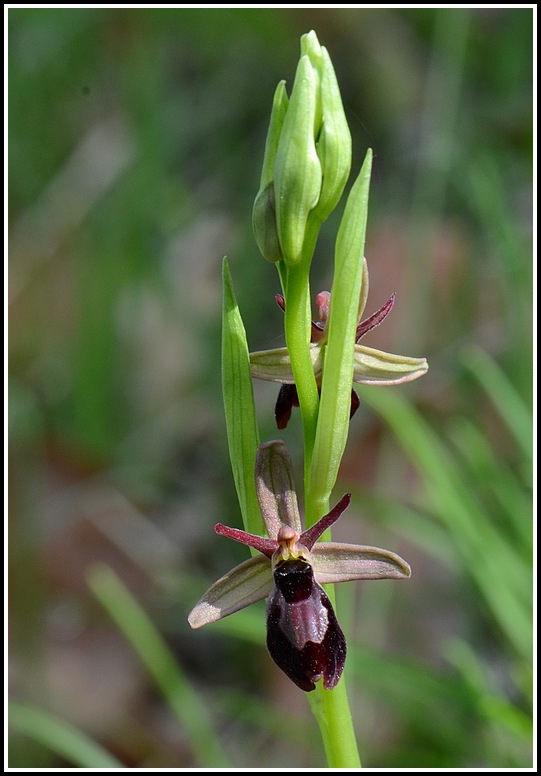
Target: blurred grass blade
pixel 238 395
pixel 499 570
pixel 494 707
pixel 160 663
pixel 60 737
pixel 496 481
pixel 510 405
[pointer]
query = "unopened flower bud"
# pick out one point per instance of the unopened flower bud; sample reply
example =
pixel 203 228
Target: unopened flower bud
pixel 297 170
pixel 264 210
pixel 264 224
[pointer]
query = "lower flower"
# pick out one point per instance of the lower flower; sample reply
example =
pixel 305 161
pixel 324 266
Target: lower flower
pixel 303 635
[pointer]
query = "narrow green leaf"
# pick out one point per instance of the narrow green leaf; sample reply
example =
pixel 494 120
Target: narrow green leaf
pixel 333 420
pixel 60 737
pixel 155 655
pixel 240 418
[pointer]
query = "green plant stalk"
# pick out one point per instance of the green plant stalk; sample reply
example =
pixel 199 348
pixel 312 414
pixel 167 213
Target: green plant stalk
pixel 297 324
pixel 332 713
pixel 330 707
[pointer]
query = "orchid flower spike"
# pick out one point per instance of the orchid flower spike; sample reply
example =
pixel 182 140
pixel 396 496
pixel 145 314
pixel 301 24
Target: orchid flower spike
pixel 303 635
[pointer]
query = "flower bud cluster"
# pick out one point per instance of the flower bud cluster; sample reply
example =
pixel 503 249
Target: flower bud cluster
pixel 307 159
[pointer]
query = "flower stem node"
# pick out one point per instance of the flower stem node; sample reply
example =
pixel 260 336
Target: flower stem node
pixel 303 635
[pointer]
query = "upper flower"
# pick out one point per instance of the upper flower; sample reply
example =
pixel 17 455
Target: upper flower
pixel 303 636
pixel 370 366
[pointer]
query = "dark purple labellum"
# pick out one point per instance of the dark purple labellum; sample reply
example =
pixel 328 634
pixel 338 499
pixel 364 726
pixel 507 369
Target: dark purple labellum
pixel 303 635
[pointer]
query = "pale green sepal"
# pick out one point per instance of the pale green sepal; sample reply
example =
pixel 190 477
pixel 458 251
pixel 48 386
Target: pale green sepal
pixel 275 365
pixel 336 562
pixel 244 585
pixel 297 171
pixel 275 487
pixel 375 367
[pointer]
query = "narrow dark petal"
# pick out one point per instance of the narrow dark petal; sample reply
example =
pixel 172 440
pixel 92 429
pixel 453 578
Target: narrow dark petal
pixel 310 537
pixel 287 399
pixel 260 543
pixel 303 635
pixel 374 320
pixel 355 403
pixel 281 302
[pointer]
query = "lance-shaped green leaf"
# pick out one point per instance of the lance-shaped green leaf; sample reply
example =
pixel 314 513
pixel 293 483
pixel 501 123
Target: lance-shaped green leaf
pixel 335 405
pixel 241 424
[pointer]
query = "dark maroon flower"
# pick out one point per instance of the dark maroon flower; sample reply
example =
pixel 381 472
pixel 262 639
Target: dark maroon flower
pixel 303 635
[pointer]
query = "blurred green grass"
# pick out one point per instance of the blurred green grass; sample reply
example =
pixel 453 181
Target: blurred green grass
pixel 135 143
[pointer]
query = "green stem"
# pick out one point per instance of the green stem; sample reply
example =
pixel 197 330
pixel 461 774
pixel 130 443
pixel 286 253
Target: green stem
pixel 297 330
pixel 331 709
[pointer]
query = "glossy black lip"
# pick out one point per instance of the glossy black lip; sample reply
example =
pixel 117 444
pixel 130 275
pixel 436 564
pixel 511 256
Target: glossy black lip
pixel 303 635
